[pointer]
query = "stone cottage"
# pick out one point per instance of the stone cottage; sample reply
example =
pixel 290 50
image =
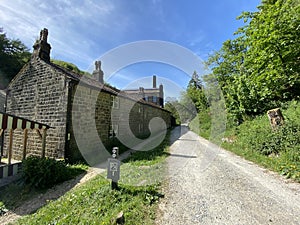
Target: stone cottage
pixel 82 111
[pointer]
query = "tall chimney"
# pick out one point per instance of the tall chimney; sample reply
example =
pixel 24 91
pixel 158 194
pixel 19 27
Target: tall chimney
pixel 154 81
pixel 98 73
pixel 41 48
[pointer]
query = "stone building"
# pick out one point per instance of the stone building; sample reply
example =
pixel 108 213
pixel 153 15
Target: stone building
pixel 81 111
pixel 153 95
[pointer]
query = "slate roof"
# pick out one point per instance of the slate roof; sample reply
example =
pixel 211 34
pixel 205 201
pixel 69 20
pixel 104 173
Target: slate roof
pixel 89 81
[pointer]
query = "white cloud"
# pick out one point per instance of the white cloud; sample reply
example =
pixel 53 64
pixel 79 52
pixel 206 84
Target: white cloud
pixel 72 25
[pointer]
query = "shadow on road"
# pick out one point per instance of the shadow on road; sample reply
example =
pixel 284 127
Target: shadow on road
pixel 183 156
pixel 178 132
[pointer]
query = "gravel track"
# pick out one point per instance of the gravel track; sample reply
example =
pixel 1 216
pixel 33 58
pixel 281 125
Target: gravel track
pixel 209 185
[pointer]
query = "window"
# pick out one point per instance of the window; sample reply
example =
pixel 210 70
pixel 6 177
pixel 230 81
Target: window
pixel 113 130
pixel 115 102
pixel 140 128
pixel 154 99
pixel 140 108
pixel 150 98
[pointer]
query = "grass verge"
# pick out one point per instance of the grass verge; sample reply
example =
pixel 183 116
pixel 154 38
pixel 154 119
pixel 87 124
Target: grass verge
pixel 254 140
pixel 95 203
pixel 16 193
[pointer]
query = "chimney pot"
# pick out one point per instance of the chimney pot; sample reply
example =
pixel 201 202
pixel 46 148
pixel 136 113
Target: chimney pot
pixel 98 73
pixel 41 48
pixel 154 81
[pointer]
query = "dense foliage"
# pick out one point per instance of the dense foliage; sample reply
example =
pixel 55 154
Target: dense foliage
pixel 279 149
pixel 13 55
pixel 260 67
pixel 258 70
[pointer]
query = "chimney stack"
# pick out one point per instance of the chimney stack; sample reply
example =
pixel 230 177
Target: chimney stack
pixel 154 81
pixel 161 95
pixel 98 73
pixel 41 48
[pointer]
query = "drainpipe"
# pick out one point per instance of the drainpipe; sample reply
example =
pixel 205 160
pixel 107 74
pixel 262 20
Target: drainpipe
pixel 69 89
pixel 5 109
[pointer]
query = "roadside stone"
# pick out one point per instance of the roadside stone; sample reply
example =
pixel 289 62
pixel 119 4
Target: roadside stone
pixel 275 117
pixel 120 220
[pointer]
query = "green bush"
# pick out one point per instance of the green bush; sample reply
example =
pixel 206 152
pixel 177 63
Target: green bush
pixel 201 124
pixel 279 149
pixel 45 172
pixel 291 171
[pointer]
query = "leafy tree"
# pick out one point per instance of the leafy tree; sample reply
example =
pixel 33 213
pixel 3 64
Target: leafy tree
pixel 273 49
pixel 13 55
pixel 195 91
pixel 259 69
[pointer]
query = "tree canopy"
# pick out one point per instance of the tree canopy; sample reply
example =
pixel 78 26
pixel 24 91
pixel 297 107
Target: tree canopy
pixel 195 91
pixel 13 55
pixel 260 67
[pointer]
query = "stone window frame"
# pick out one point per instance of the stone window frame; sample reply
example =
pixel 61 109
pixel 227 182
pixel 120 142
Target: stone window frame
pixel 115 102
pixel 140 108
pixel 113 130
pixel 140 127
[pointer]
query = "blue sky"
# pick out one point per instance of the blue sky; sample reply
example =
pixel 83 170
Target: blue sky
pixel 82 31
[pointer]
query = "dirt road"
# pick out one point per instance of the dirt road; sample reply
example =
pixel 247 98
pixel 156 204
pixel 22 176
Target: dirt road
pixel 208 185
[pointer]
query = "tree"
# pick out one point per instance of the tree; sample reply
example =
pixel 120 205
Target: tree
pixel 259 69
pixel 13 55
pixel 195 91
pixel 273 49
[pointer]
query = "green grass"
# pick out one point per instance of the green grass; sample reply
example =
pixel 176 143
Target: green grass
pixel 95 203
pixel 146 167
pixel 276 150
pixel 16 193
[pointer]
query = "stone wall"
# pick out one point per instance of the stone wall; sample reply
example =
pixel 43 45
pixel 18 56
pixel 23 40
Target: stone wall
pixel 2 100
pixel 88 122
pixel 39 93
pixel 103 111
